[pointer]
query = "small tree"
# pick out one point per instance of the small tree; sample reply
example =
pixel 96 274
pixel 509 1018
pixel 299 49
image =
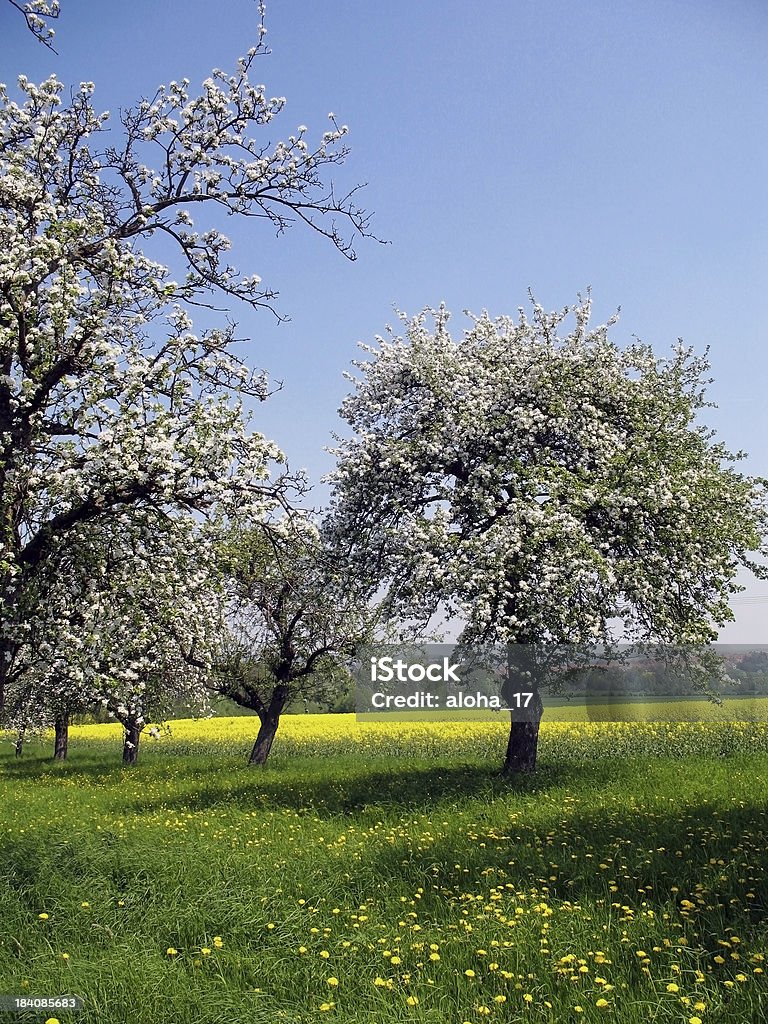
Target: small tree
pixel 129 625
pixel 543 488
pixel 293 620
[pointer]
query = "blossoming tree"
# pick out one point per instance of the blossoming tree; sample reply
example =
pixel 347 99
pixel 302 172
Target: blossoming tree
pixel 110 402
pixel 125 619
pixel 293 620
pixel 543 488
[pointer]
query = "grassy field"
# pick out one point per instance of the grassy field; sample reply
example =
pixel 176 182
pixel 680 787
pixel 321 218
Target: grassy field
pixel 385 872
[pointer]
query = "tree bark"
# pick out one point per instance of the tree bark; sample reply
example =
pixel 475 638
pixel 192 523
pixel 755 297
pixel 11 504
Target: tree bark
pixel 61 739
pixel 523 743
pixel 131 741
pixel 270 720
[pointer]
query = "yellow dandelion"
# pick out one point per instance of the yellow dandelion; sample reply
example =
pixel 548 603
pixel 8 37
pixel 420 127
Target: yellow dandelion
pixel 528 998
pixel 434 957
pixel 695 1020
pixel 469 972
pixel 333 982
pixel 171 951
pixel 43 917
pixel 412 1000
pixel 672 987
pixel 324 954
pixel 327 1006
pixel 602 1003
pixel 218 941
pixel 205 951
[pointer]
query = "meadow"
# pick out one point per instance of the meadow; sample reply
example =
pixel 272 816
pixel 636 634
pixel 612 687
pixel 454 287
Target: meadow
pixel 386 872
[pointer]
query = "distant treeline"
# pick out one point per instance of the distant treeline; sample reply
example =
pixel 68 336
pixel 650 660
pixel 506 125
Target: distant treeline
pixel 747 675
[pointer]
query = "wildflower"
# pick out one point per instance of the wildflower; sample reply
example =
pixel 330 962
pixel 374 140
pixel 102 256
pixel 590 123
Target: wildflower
pixel 171 951
pixel 695 1020
pixel 324 954
pixel 528 998
pixel 217 941
pixel 672 987
pixel 469 972
pixel 65 956
pixel 602 1003
pixel 205 951
pixel 327 1006
pixel 412 1000
pixel 43 917
pixel 333 982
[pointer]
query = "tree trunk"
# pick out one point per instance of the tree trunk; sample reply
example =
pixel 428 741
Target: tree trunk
pixel 131 741
pixel 522 694
pixel 269 719
pixel 61 739
pixel 523 743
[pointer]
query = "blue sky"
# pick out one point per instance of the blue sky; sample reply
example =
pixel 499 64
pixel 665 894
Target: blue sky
pixel 507 145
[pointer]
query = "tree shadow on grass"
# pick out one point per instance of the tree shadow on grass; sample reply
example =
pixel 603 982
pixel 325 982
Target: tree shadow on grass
pixel 317 785
pixel 705 866
pixel 330 791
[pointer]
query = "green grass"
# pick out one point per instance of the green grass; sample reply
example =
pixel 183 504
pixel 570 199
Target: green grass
pixel 630 839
